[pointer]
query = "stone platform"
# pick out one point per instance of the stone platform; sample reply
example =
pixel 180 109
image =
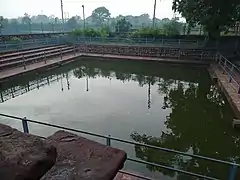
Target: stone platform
pixel 61 156
pixel 230 89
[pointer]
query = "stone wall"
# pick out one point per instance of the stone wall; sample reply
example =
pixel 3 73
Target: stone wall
pixel 148 51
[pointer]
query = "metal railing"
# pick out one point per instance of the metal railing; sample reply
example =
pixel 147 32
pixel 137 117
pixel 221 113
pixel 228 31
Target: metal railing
pixel 109 139
pixel 23 44
pixel 6 46
pixel 165 42
pixel 230 69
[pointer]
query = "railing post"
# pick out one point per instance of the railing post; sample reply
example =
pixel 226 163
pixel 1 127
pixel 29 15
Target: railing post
pixel 24 64
pixel 219 57
pixel 61 53
pixel 45 59
pixel 2 100
pixel 216 57
pixel 74 52
pixel 224 65
pixel 25 125
pixel 5 44
pixel 233 172
pixel 21 44
pixel 108 140
pixel 231 73
pixel 179 53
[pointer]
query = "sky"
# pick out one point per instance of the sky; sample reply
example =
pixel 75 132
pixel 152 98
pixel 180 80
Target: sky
pixel 15 8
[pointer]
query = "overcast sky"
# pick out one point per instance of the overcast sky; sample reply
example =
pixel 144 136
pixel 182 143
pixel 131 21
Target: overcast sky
pixel 14 8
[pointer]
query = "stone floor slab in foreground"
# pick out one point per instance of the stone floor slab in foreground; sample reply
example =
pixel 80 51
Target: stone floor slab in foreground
pixel 23 156
pixel 80 158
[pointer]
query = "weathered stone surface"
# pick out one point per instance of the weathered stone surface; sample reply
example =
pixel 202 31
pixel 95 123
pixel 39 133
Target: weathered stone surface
pixel 80 158
pixel 149 51
pixel 23 156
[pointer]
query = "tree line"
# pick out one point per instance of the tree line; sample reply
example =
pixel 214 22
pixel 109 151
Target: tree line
pixel 100 18
pixel 215 17
pixel 203 17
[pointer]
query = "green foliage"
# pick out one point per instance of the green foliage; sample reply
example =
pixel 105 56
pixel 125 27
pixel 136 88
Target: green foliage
pixel 26 19
pixel 169 28
pixel 104 31
pixel 215 15
pixel 147 32
pixel 100 16
pixel 172 28
pixel 77 32
pixel 88 32
pixel 72 23
pixel 123 26
pixel 1 22
pixel 15 39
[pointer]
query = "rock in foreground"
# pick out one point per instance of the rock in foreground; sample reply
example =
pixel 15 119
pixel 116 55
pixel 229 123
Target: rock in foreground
pixel 23 156
pixel 80 158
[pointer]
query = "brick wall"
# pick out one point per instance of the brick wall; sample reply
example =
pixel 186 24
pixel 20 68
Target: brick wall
pixel 144 51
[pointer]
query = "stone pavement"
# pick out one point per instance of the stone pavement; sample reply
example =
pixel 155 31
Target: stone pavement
pixel 80 158
pixel 23 156
pixel 63 155
pixel 122 176
pixel 32 67
pixel 230 89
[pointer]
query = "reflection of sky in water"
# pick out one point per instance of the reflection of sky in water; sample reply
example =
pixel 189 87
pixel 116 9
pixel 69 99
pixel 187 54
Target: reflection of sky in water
pixel 116 107
pixel 109 107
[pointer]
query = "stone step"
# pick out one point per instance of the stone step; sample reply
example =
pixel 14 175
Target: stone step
pixel 80 158
pixel 24 156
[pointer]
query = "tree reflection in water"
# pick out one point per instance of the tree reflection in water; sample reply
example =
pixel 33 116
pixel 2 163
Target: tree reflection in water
pixel 197 122
pixel 192 128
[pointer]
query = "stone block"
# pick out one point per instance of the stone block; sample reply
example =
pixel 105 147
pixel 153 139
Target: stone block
pixel 80 158
pixel 23 156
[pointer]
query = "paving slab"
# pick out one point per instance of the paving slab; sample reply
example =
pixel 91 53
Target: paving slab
pixel 230 89
pixel 24 156
pixel 80 158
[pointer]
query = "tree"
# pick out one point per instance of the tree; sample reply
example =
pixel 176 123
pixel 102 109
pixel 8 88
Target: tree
pixel 147 33
pixel 72 23
pixel 172 28
pixel 56 20
pixel 123 26
pixel 1 24
pixel 104 31
pixel 26 19
pixel 215 16
pixel 41 18
pixel 14 24
pixel 100 16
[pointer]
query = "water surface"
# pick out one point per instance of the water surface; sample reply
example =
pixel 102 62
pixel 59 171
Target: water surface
pixel 172 106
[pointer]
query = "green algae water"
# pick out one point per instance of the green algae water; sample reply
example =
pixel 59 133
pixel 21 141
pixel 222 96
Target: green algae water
pixel 171 106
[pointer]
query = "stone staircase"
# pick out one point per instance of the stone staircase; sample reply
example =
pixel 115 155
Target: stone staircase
pixel 26 57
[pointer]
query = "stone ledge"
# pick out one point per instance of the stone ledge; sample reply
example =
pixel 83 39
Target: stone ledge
pixel 23 156
pixel 80 158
